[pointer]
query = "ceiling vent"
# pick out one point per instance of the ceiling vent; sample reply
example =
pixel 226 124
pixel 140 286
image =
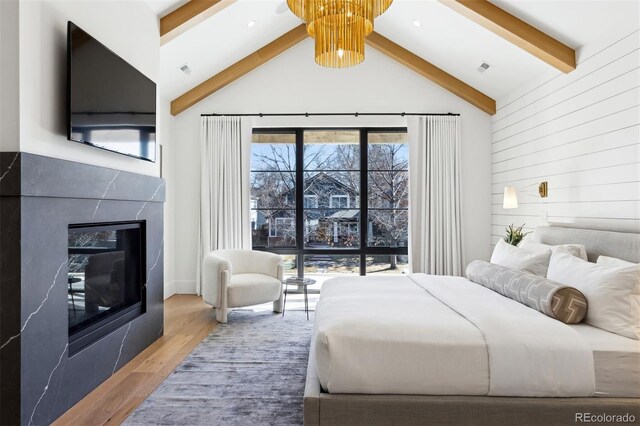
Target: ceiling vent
pixel 483 67
pixel 185 69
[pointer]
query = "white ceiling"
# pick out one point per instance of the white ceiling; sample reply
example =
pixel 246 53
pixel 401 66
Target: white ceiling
pixel 577 22
pixel 445 38
pixel 219 42
pixel 163 7
pixel 458 46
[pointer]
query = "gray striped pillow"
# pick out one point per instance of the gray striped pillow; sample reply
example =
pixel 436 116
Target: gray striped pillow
pixel 556 300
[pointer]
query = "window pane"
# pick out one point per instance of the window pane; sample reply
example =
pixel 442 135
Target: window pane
pixel 388 151
pixel 331 150
pixel 273 190
pixel 340 190
pixel 290 265
pixel 273 151
pixel 388 228
pixel 389 189
pixel 310 201
pixel 273 228
pixel 332 228
pixel 339 201
pixel 387 264
pixel 331 265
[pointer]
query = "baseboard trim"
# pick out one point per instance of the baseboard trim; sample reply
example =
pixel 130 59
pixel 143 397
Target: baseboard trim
pixel 169 289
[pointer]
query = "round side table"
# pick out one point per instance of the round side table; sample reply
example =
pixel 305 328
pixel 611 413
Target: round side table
pixel 298 282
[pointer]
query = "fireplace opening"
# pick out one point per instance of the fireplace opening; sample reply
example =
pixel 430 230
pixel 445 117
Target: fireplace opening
pixel 106 281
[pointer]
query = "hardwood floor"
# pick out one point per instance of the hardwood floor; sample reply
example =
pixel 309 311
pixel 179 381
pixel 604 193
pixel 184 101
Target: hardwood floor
pixel 187 320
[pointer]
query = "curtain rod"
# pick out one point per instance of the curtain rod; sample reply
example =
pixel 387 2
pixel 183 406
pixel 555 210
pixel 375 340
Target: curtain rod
pixel 309 114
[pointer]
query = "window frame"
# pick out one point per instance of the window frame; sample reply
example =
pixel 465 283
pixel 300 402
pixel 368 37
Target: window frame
pixel 310 196
pixel 282 220
pixel 363 250
pixel 341 197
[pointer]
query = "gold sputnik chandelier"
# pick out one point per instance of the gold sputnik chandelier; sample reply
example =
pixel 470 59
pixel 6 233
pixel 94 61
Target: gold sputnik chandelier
pixel 339 27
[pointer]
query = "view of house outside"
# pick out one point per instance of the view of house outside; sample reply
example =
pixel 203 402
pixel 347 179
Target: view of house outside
pixel 331 205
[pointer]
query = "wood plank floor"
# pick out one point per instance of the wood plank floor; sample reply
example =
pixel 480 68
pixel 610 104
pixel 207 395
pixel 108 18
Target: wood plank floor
pixel 187 320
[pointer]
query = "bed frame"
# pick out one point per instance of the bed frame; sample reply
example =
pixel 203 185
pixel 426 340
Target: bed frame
pixel 322 408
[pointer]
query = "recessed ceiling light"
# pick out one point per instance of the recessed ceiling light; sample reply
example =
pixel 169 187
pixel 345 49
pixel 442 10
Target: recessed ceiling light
pixel 416 23
pixel 251 24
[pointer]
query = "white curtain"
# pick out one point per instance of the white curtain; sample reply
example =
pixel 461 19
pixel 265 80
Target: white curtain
pixel 435 245
pixel 225 191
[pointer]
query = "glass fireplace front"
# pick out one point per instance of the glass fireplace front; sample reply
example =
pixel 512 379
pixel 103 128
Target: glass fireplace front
pixel 106 279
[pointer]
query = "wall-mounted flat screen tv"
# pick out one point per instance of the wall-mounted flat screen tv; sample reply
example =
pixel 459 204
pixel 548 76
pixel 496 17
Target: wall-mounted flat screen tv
pixel 111 105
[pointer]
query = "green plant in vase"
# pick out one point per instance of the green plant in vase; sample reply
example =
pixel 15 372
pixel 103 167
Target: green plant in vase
pixel 515 235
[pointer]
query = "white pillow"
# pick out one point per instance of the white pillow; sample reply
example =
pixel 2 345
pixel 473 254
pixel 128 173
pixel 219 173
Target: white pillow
pixel 578 250
pixel 612 292
pixel 532 261
pixel 613 261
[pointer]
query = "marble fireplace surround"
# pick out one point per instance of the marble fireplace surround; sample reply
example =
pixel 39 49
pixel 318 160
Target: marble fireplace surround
pixel 39 198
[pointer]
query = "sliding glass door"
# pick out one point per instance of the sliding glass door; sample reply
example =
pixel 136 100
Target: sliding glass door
pixel 331 201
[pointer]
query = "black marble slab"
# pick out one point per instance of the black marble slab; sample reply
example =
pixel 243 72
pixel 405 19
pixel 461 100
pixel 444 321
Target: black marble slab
pixel 39 198
pixel 31 175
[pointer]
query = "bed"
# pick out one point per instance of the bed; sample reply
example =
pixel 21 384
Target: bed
pixel 455 387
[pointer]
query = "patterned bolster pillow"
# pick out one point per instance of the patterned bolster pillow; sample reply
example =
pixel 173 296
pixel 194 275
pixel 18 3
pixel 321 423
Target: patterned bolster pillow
pixel 558 301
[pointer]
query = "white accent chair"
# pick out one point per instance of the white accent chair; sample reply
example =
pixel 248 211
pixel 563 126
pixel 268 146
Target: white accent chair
pixel 235 278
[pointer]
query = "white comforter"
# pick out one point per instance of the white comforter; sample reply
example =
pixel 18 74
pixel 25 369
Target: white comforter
pixel 434 335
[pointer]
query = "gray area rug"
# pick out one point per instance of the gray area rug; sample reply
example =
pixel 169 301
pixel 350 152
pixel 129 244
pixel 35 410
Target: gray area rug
pixel 250 371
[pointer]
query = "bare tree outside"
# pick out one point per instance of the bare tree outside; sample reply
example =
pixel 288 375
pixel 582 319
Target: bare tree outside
pixel 388 195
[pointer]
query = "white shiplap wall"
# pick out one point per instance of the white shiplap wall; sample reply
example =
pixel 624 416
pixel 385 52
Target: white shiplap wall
pixel 581 133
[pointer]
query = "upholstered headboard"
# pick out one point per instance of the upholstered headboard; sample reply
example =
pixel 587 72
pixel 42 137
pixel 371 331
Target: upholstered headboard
pixel 622 245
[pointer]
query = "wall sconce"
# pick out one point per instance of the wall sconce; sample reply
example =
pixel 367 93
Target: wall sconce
pixel 543 189
pixel 510 200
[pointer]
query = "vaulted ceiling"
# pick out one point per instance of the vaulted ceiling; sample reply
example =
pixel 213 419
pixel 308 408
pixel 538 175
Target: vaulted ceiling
pixel 448 39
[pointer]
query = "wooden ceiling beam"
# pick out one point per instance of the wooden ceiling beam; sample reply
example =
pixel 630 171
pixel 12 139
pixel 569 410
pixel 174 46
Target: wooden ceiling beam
pixel 188 16
pixel 516 31
pixel 431 72
pixel 239 69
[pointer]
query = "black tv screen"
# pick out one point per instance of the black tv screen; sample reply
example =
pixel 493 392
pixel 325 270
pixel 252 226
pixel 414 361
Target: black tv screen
pixel 111 105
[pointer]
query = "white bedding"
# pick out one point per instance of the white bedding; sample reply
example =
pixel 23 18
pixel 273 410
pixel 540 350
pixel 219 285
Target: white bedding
pixel 616 362
pixel 389 335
